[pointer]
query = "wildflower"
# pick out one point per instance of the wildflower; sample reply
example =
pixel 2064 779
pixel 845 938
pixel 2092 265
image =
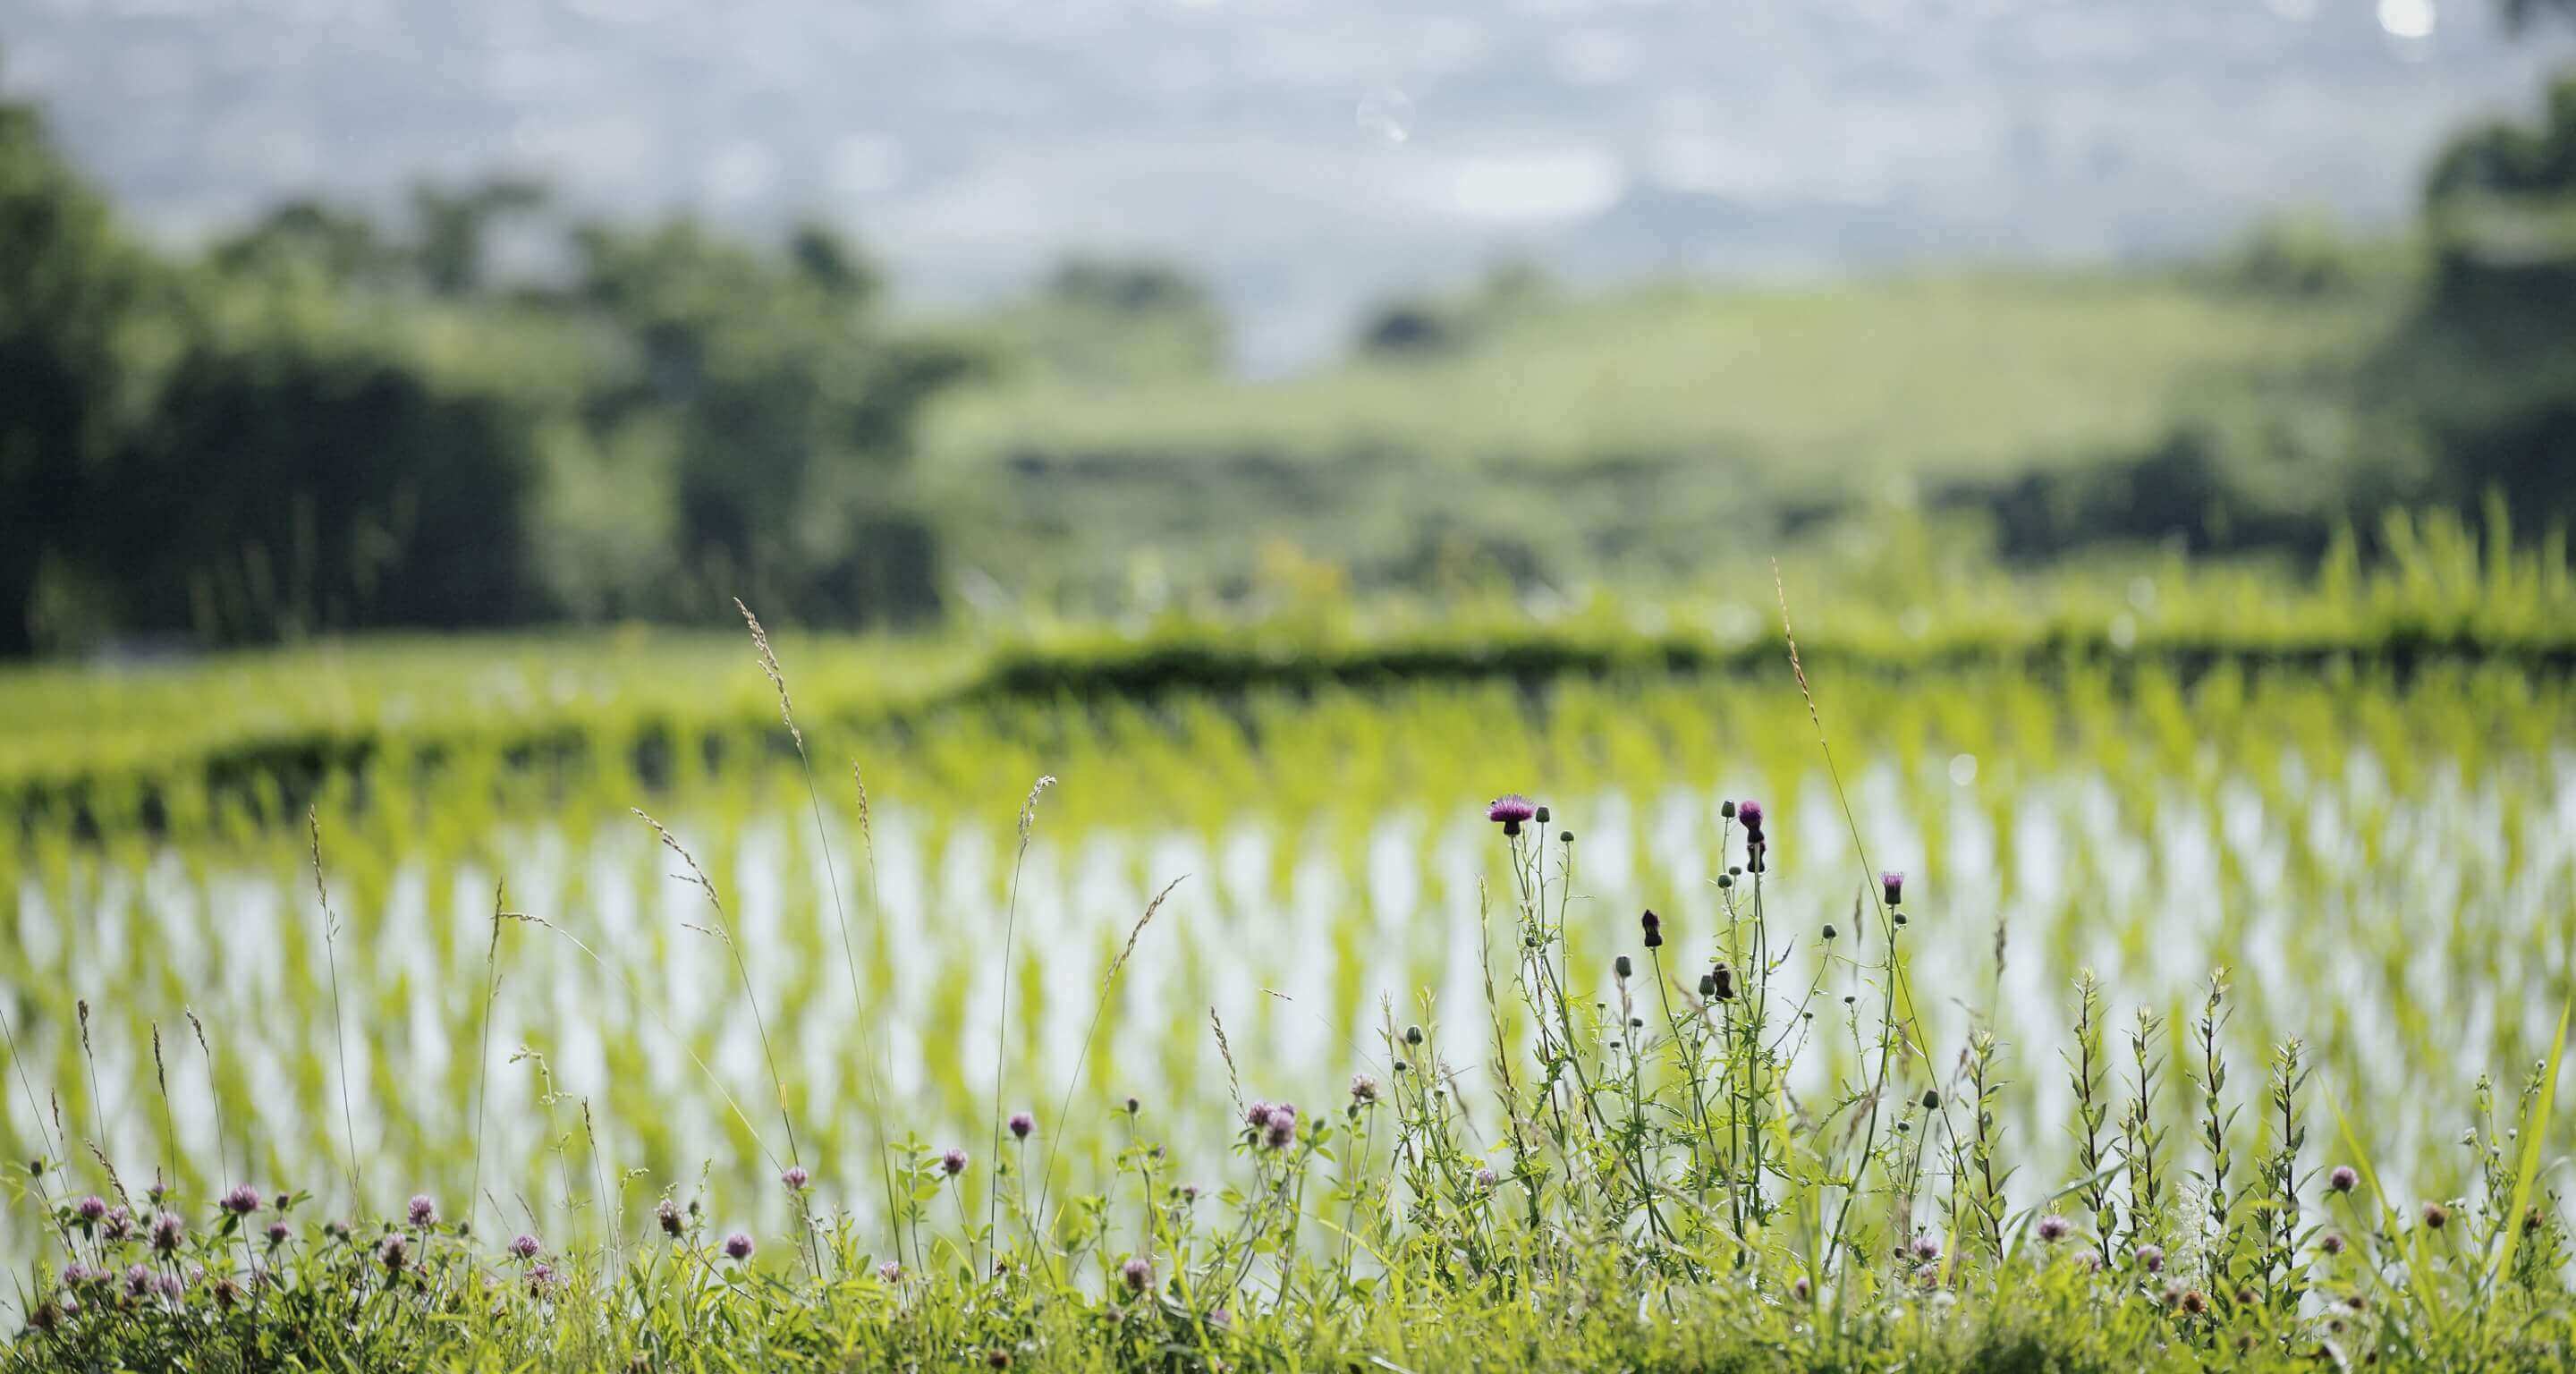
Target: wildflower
pixel 2344 1179
pixel 2150 1258
pixel 1021 1124
pixel 1750 812
pixel 1510 809
pixel 118 1225
pixel 242 1201
pixel 226 1292
pixel 1654 925
pixel 2195 1303
pixel 1189 1192
pixel 889 1271
pixel 167 1232
pixel 1363 1090
pixel 2332 1243
pixel 1485 1179
pixel 1799 1289
pixel 541 1279
pixel 2436 1216
pixel 1722 982
pixel 138 1282
pixel 952 1161
pixel 2053 1228
pixel 1137 1273
pixel 394 1254
pixel 1927 1247
pixel 524 1246
pixel 283 1201
pixel 668 1213
pixel 277 1233
pixel 1282 1129
pixel 796 1178
pixel 737 1246
pixel 1892 884
pixel 423 1212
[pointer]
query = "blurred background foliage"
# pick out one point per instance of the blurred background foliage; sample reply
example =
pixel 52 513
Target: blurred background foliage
pixel 482 410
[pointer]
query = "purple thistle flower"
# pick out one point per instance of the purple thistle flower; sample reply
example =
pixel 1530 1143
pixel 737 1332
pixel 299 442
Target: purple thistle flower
pixel 138 1281
pixel 171 1287
pixel 167 1232
pixel 952 1161
pixel 1894 884
pixel 541 1280
pixel 119 1224
pixel 1750 813
pixel 889 1271
pixel 424 1213
pixel 524 1246
pixel 91 1208
pixel 1137 1273
pixel 1021 1124
pixel 796 1178
pixel 2053 1228
pixel 242 1200
pixel 1281 1130
pixel 277 1233
pixel 1485 1178
pixel 2150 1258
pixel 2344 1179
pixel 1927 1247
pixel 1363 1089
pixel 737 1246
pixel 668 1213
pixel 1510 809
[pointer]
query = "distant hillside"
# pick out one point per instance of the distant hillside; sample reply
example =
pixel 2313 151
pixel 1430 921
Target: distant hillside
pixel 1653 432
pixel 1309 157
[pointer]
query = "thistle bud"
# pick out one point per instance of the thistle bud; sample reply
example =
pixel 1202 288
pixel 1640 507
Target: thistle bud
pixel 1623 966
pixel 1541 817
pixel 1654 925
pixel 1829 930
pixel 1708 985
pixel 1931 1099
pixel 1413 1035
pixel 1724 979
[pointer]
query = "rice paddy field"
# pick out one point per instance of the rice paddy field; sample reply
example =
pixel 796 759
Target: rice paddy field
pixel 556 935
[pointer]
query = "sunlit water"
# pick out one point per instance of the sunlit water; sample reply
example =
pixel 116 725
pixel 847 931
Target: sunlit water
pixel 2415 937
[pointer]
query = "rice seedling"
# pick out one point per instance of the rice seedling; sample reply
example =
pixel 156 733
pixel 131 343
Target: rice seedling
pixel 1731 1092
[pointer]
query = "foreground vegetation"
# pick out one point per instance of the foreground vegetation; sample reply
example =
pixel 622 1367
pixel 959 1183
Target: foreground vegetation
pixel 2005 1111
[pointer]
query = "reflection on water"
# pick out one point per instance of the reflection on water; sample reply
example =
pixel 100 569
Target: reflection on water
pixel 2390 927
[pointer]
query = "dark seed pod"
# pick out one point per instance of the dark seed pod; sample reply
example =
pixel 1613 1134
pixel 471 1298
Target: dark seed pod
pixel 1724 978
pixel 1708 985
pixel 1931 1099
pixel 1829 930
pixel 1725 880
pixel 1623 966
pixel 1413 1035
pixel 1541 817
pixel 1565 837
pixel 1654 925
pixel 1726 809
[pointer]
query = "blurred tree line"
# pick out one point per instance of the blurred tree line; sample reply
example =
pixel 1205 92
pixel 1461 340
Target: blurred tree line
pixel 328 422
